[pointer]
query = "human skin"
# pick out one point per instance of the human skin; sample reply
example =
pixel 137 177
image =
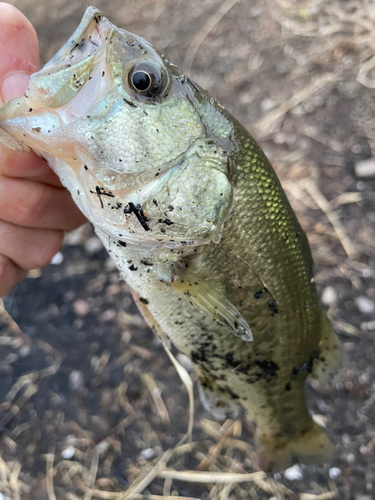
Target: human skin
pixel 35 210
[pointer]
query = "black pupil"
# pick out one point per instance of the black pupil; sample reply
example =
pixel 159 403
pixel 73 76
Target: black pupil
pixel 141 80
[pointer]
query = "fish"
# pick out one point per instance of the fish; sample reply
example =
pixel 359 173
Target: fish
pixel 191 211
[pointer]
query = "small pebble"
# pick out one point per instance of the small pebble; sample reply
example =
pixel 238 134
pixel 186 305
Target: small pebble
pixel 24 351
pixel 367 272
pixel 147 454
pixel 365 169
pixel 76 379
pixel 365 305
pixel 293 473
pixel 68 452
pixel 81 307
pixel 110 264
pixel 70 439
pixel 350 457
pixel 334 472
pixel 368 326
pixel 298 111
pixel 267 105
pixel 11 358
pixel 93 245
pixel 364 378
pixel 113 290
pixel 32 414
pixel 329 296
pixel 364 497
pixel 57 259
pixel 109 315
pixel 75 237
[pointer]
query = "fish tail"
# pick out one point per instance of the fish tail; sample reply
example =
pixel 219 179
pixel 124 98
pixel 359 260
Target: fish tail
pixel 332 358
pixel 311 448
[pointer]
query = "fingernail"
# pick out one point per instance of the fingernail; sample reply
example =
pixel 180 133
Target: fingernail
pixel 14 85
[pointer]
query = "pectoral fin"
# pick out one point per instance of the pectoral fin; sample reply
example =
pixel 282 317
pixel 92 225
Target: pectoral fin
pixel 210 301
pixel 10 142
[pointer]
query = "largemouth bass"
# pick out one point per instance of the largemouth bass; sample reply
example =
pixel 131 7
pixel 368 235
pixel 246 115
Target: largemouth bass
pixel 195 218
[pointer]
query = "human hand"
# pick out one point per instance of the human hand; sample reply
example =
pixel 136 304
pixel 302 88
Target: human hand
pixel 35 209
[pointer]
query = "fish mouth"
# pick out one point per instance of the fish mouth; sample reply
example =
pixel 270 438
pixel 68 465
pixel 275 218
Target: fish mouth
pixel 91 33
pixel 71 68
pixel 63 90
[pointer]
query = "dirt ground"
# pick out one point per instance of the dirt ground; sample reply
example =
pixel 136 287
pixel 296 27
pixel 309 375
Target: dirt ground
pixel 90 403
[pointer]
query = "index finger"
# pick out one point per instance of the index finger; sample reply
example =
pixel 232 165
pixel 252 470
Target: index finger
pixel 19 58
pixel 19 51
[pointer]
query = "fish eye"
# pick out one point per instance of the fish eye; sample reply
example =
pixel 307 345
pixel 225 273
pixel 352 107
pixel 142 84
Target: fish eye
pixel 148 79
pixel 141 81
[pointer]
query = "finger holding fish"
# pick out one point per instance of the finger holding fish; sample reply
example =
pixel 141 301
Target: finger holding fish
pixel 31 195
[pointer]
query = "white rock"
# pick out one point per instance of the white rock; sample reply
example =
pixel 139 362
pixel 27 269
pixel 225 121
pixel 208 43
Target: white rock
pixel 365 305
pixel 68 452
pixel 368 326
pixel 298 110
pixel 75 237
pixel 93 245
pixel 76 379
pixel 293 473
pixel 365 168
pixel 267 105
pixel 57 259
pixel 364 378
pixel 24 351
pixel 110 264
pixel 367 272
pixel 350 457
pixel 334 472
pixel 363 497
pixel 71 439
pixel 147 454
pixel 329 296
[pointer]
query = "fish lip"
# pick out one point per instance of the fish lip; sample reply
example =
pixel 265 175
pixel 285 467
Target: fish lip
pixel 91 21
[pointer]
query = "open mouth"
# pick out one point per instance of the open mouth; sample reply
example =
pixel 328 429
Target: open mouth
pixel 72 67
pixel 91 34
pixel 63 91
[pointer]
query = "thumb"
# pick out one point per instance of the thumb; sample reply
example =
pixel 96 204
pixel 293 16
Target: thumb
pixel 19 52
